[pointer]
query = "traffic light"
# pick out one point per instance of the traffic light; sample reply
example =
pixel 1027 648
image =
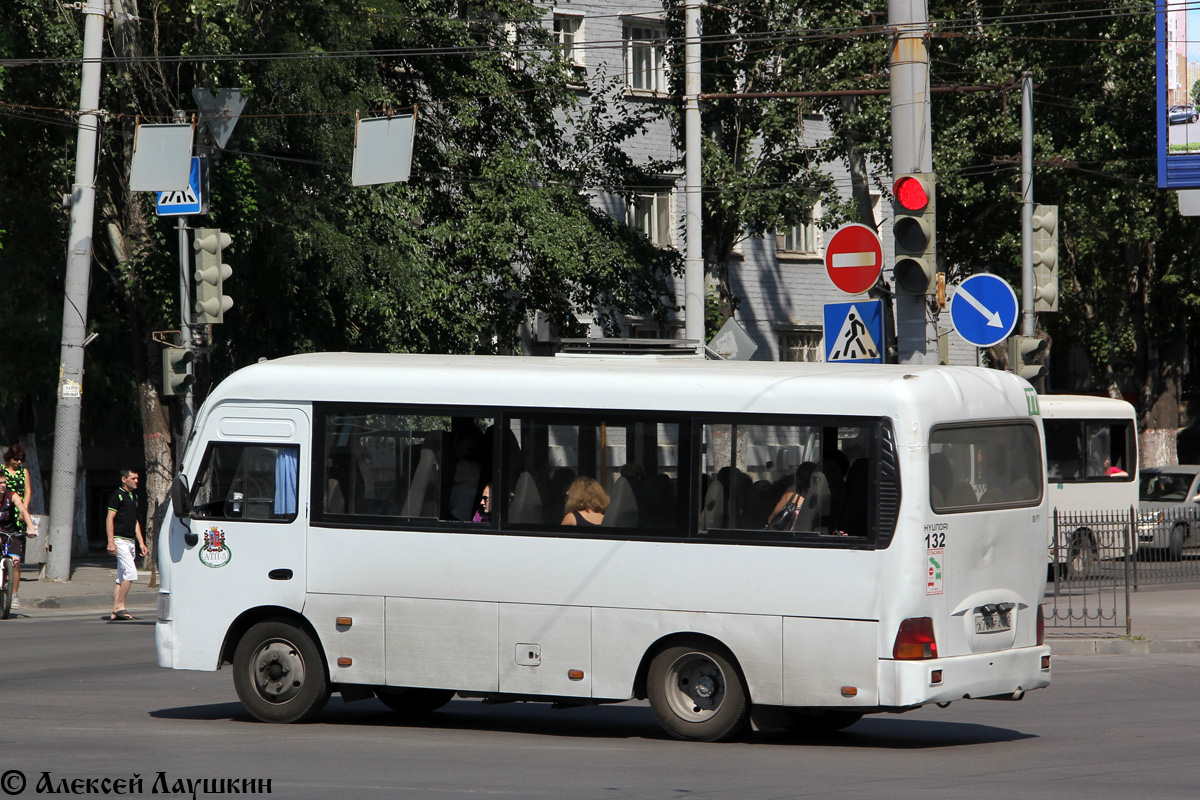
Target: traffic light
pixel 176 377
pixel 1045 258
pixel 915 268
pixel 1023 352
pixel 210 275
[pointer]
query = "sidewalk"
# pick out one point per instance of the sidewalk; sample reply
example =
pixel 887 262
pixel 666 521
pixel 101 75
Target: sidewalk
pixel 91 587
pixel 1165 620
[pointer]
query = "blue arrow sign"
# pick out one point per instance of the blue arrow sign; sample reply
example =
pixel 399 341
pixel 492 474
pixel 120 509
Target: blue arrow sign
pixel 184 202
pixel 984 310
pixel 854 332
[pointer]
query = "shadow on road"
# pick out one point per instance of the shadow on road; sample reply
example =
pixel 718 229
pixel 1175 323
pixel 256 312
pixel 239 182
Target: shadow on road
pixel 610 722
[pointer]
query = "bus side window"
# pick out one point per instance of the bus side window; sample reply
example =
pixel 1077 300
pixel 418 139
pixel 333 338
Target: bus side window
pixel 251 482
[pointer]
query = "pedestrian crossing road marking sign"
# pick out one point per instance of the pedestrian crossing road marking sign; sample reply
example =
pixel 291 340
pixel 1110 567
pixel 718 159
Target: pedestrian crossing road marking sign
pixel 185 202
pixel 854 332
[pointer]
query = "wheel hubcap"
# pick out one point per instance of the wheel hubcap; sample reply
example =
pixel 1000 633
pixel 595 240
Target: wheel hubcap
pixel 278 671
pixel 695 687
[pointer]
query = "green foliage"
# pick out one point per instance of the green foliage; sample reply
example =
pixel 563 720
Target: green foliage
pixel 1128 275
pixel 493 226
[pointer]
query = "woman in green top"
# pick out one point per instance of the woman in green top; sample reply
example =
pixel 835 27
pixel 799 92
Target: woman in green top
pixel 18 477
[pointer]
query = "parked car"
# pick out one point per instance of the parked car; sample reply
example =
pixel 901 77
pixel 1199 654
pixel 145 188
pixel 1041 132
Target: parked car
pixel 1178 114
pixel 1169 508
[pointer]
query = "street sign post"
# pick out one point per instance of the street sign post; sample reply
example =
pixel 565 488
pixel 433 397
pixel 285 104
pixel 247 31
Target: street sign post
pixel 854 332
pixel 984 310
pixel 854 258
pixel 189 201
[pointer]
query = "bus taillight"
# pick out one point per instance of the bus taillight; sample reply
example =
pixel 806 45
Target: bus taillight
pixel 1041 626
pixel 915 640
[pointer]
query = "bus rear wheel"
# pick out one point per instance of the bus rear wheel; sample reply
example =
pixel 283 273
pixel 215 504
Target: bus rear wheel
pixel 413 702
pixel 279 673
pixel 696 693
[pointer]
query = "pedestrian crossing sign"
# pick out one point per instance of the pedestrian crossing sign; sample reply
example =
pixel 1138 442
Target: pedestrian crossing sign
pixel 854 332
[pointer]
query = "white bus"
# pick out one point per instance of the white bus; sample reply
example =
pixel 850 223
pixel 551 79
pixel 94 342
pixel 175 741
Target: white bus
pixel 1091 470
pixel 327 540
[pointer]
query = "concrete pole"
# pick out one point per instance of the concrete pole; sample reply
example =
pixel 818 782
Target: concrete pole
pixel 912 151
pixel 1028 321
pixel 693 275
pixel 74 322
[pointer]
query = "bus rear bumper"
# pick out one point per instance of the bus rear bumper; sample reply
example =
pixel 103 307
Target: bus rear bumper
pixel 1005 674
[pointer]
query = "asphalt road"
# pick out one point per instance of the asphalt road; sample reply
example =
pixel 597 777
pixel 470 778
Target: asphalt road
pixel 83 699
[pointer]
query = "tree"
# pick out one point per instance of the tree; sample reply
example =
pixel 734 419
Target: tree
pixel 494 225
pixel 765 162
pixel 1127 275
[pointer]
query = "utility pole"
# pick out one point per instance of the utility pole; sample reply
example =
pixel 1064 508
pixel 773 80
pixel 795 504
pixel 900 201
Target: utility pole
pixel 74 322
pixel 693 275
pixel 1028 321
pixel 912 151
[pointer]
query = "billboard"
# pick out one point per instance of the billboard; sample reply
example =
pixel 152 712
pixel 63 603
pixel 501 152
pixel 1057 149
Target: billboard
pixel 1177 58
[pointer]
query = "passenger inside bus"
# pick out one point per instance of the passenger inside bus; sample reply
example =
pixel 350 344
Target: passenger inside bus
pixel 587 503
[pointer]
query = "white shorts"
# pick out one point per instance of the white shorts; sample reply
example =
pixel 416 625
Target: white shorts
pixel 126 566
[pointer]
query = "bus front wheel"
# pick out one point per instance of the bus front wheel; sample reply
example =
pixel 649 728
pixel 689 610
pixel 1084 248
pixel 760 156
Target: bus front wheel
pixel 1082 555
pixel 696 693
pixel 279 673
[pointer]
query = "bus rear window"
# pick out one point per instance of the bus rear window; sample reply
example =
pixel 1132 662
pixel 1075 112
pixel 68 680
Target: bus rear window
pixel 972 467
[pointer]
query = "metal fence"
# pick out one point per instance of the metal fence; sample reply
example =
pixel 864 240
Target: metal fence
pixel 1098 558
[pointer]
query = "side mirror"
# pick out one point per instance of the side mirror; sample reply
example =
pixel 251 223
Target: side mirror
pixel 181 498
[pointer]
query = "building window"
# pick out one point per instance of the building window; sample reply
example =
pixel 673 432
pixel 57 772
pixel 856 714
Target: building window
pixel 568 34
pixel 800 238
pixel 645 58
pixel 650 213
pixel 801 345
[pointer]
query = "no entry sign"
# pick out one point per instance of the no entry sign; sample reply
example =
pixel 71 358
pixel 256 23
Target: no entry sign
pixel 854 258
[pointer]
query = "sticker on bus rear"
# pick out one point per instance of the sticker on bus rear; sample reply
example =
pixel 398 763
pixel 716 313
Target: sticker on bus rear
pixel 215 553
pixel 933 579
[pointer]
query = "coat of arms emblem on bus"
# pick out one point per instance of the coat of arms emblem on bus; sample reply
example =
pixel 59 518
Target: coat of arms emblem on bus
pixel 215 553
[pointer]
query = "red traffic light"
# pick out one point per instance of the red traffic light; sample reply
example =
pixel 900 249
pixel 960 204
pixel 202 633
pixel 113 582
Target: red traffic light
pixel 911 193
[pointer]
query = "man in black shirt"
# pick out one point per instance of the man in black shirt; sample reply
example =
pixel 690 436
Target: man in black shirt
pixel 124 534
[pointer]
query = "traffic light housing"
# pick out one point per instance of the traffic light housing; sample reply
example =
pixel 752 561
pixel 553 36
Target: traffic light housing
pixel 1024 353
pixel 913 229
pixel 1045 258
pixel 176 376
pixel 210 275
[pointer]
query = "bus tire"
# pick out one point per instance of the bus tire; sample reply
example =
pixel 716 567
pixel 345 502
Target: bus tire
pixel 696 693
pixel 413 702
pixel 1175 543
pixel 279 673
pixel 816 721
pixel 1081 554
pixel 6 592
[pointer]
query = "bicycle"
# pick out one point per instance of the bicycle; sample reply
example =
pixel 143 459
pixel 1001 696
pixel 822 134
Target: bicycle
pixel 8 569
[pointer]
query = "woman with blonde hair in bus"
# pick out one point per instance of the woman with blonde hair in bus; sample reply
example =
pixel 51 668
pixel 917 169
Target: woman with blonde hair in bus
pixel 586 503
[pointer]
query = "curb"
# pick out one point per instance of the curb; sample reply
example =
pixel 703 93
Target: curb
pixel 1122 647
pixel 146 599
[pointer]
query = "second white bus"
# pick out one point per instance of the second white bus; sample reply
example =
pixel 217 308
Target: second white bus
pixel 327 537
pixel 1092 474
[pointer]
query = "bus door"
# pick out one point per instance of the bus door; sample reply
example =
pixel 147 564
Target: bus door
pixel 243 546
